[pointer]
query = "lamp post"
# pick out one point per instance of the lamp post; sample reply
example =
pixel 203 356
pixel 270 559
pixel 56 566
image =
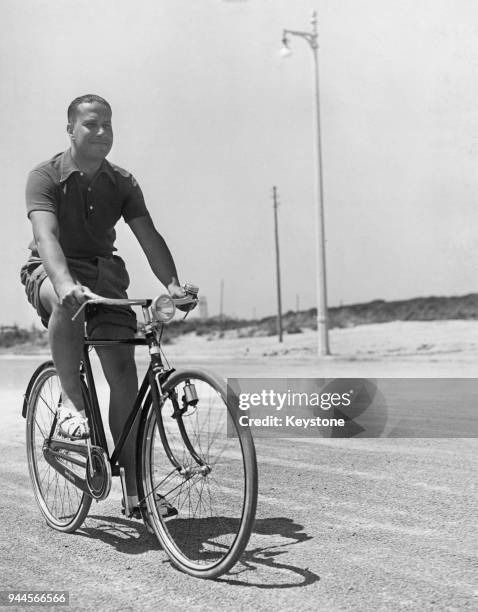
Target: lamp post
pixel 322 324
pixel 276 236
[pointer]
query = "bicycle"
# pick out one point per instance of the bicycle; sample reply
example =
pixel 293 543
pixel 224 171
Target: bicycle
pixel 184 454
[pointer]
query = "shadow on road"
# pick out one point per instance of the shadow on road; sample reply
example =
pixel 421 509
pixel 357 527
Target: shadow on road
pixel 258 567
pixel 125 535
pixel 284 575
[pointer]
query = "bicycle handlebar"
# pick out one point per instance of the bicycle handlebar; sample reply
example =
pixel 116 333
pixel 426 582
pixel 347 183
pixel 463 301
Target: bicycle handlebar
pixel 98 299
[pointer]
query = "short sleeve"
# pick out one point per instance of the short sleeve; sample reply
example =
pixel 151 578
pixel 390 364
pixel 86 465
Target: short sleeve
pixel 134 204
pixel 40 192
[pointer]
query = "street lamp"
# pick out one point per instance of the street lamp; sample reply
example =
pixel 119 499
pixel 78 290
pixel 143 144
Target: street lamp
pixel 322 325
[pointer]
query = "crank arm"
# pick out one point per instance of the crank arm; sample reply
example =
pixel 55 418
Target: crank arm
pixel 69 458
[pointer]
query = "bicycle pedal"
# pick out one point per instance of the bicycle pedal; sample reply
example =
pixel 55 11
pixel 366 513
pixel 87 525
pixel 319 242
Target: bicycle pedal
pixel 167 511
pixel 136 513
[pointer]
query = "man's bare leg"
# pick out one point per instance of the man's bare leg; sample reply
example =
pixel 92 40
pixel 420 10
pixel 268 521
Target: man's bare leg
pixel 66 344
pixel 119 368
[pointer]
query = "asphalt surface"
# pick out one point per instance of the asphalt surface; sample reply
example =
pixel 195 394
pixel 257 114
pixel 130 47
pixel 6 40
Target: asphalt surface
pixel 352 524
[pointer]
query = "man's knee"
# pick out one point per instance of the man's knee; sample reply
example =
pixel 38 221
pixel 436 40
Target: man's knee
pixel 48 297
pixel 118 363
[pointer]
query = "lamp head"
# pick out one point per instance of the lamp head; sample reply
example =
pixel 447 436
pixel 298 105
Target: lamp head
pixel 285 51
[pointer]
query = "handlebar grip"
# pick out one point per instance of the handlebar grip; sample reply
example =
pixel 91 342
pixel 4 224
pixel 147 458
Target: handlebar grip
pixel 191 289
pixel 187 299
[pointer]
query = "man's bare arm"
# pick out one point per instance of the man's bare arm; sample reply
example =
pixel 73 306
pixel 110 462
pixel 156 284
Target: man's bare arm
pixel 156 251
pixel 46 232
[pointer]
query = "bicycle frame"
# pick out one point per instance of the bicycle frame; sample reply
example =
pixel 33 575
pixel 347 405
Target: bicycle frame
pixel 154 378
pixel 98 431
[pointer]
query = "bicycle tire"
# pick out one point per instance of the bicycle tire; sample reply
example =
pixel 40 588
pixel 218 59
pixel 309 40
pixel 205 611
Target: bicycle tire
pixel 63 505
pixel 209 534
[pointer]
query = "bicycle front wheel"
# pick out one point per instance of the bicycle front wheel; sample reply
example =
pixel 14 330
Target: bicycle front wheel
pixel 210 479
pixel 62 504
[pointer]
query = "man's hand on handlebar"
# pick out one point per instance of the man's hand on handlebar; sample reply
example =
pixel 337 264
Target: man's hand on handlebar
pixel 72 295
pixel 176 291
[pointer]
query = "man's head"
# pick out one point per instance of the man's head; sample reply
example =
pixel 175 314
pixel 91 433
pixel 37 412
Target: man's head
pixel 89 127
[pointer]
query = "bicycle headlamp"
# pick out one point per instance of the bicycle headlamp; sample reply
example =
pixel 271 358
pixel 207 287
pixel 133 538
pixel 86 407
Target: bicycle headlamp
pixel 163 308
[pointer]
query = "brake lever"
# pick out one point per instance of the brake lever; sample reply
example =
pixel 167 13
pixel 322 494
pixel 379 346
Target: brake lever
pixel 80 309
pixel 186 313
pixel 187 299
pixel 93 299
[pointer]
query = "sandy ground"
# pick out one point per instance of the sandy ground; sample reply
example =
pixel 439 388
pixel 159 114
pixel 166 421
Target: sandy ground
pixel 370 524
pixel 416 349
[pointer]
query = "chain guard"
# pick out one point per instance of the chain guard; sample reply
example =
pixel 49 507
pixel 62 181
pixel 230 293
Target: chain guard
pixel 99 483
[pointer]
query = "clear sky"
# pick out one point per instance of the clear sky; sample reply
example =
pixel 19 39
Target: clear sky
pixel 209 117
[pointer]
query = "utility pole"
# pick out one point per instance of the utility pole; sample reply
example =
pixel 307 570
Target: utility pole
pixel 276 232
pixel 221 302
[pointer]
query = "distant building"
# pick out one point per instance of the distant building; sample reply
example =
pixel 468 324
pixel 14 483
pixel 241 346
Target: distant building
pixel 203 307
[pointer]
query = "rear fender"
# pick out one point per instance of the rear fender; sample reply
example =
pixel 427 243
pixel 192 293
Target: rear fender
pixel 26 397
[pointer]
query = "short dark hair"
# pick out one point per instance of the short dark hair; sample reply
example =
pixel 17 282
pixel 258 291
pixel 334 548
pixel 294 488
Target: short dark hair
pixel 88 98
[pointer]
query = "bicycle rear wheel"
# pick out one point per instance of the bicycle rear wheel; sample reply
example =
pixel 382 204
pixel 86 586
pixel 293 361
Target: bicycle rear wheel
pixel 62 504
pixel 215 494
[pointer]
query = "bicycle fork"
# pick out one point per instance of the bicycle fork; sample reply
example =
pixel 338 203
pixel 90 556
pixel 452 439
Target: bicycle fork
pixel 190 398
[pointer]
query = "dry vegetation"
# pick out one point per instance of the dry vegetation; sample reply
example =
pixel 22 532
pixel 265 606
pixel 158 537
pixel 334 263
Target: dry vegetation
pixel 378 311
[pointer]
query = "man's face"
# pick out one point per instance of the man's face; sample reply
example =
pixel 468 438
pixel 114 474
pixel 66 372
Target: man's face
pixel 91 133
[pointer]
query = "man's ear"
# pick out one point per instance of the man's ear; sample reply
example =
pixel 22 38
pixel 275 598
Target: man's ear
pixel 69 129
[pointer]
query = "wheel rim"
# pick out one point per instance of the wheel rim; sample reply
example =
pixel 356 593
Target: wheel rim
pixel 213 503
pixel 59 500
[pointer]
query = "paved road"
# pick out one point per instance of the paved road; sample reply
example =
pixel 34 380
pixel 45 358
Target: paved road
pixel 385 524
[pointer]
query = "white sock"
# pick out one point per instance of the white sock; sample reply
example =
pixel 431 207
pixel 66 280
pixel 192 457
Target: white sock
pixel 133 501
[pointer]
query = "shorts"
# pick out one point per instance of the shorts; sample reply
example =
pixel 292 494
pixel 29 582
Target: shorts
pixel 106 276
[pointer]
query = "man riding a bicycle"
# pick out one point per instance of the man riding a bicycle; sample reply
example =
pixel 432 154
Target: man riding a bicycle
pixel 74 201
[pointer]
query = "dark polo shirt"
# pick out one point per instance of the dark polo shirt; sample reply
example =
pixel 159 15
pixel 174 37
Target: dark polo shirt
pixel 87 212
